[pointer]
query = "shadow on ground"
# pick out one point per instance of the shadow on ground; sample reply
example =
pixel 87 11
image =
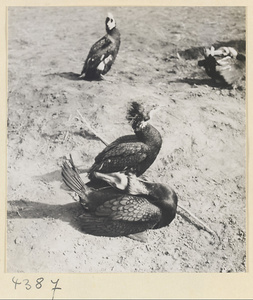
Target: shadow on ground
pixel 205 81
pixel 67 75
pixel 70 213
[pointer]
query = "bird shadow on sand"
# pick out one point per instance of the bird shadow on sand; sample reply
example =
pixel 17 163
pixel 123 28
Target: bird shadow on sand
pixel 204 81
pixel 67 75
pixel 72 76
pixel 56 175
pixel 70 213
pixel 50 177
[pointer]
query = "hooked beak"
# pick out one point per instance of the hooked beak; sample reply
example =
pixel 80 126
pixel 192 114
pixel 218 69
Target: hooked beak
pixel 116 179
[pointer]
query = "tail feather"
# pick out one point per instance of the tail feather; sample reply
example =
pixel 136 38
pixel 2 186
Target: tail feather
pixel 72 179
pixel 69 177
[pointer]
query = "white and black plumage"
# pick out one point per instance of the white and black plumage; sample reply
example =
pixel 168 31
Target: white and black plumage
pixel 103 53
pixel 131 153
pixel 224 65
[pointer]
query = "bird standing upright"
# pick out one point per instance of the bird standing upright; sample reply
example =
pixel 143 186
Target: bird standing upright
pixel 131 153
pixel 103 53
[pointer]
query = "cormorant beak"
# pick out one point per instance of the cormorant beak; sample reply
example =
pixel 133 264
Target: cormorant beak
pixel 117 180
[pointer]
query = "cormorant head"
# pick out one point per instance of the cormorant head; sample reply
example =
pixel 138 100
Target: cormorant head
pixel 110 23
pixel 162 193
pixel 138 115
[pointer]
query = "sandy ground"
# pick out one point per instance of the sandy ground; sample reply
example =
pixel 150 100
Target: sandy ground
pixel 202 126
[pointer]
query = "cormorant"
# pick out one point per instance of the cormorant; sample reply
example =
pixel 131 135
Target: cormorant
pixel 103 53
pixel 131 153
pixel 157 193
pixel 224 65
pixel 112 212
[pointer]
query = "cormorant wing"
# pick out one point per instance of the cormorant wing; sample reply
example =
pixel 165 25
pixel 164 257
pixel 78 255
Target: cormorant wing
pixel 138 150
pixel 129 208
pixel 98 52
pixel 103 43
pixel 123 139
pixel 122 157
pixel 233 71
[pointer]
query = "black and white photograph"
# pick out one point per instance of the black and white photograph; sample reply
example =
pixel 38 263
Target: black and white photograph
pixel 126 146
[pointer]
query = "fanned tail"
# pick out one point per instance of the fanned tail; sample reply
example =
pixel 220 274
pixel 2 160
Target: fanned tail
pixel 72 179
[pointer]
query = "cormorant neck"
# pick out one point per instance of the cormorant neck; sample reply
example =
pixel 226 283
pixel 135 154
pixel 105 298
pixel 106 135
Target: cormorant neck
pixel 162 196
pixel 158 194
pixel 149 135
pixel 112 31
pixel 167 202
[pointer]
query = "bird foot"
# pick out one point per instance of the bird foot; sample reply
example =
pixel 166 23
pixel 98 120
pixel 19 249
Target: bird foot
pixel 140 237
pixel 82 76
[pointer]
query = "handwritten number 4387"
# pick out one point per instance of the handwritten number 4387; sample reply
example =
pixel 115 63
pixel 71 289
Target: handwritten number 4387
pixel 38 284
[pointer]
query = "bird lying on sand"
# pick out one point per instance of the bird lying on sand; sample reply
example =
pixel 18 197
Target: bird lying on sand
pixel 224 65
pixel 103 53
pixel 131 153
pixel 131 185
pixel 113 212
